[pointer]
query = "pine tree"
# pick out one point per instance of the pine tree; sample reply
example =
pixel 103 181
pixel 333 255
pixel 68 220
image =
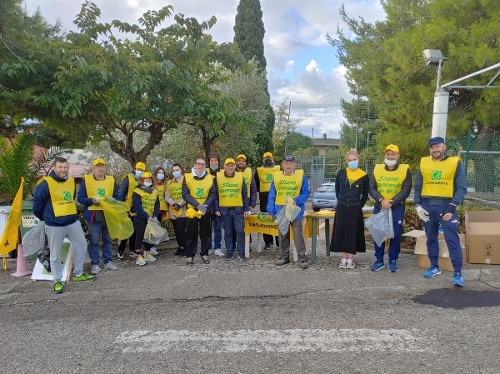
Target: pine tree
pixel 249 36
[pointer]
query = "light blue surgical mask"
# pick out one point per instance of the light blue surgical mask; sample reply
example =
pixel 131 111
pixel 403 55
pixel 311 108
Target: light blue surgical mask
pixel 138 173
pixel 353 164
pixel 160 177
pixel 176 174
pixel 214 168
pixel 148 184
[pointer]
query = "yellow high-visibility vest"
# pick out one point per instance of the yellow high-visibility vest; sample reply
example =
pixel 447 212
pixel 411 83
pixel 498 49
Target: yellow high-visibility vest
pixel 161 197
pixel 230 190
pixel 266 177
pixel 148 200
pixel 438 176
pixel 390 182
pixel 199 188
pixel 98 189
pixel 287 185
pixel 247 177
pixel 62 196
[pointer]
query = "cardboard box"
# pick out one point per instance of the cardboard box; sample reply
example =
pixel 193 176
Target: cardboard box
pixel 444 260
pixel 483 237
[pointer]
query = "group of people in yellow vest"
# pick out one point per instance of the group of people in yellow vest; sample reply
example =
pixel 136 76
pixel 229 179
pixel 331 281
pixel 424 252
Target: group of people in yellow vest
pixel 212 196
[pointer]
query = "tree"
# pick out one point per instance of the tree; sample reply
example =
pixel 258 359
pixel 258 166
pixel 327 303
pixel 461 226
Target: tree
pixel 385 65
pixel 249 37
pixel 282 128
pixel 162 78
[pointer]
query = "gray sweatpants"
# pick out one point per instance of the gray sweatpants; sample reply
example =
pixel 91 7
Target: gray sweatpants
pixel 75 235
pixel 298 239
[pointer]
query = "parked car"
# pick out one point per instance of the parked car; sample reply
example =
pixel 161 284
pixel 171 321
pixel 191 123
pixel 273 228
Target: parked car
pixel 324 197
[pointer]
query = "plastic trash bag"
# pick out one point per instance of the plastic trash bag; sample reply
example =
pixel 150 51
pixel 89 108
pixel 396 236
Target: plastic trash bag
pixel 119 224
pixel 44 255
pixel 380 226
pixel 34 240
pixel 282 221
pixel 291 210
pixel 155 234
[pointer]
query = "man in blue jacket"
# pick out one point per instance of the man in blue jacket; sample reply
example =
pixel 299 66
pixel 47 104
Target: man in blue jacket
pixel 290 184
pixel 94 188
pixel 54 203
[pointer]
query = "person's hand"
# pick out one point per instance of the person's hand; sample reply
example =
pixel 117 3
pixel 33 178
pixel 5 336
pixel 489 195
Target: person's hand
pixel 386 204
pixel 95 202
pixel 202 208
pixel 422 213
pixel 270 217
pixel 446 216
pixel 153 219
pixel 217 214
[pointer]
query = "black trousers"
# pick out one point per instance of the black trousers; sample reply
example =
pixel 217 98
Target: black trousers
pixel 195 227
pixel 131 242
pixel 179 225
pixel 139 228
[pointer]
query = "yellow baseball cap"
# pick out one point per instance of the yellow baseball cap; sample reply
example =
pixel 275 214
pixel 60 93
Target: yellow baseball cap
pixel 229 161
pixel 392 147
pixel 267 154
pixel 242 156
pixel 147 174
pixel 98 161
pixel 141 165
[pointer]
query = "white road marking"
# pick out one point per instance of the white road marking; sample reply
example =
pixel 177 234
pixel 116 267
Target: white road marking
pixel 276 341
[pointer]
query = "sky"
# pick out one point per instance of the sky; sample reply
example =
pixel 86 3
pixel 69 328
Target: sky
pixel 302 68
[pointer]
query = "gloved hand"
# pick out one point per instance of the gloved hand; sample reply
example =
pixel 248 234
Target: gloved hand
pixel 96 202
pixel 153 219
pixel 202 208
pixel 177 206
pixel 423 214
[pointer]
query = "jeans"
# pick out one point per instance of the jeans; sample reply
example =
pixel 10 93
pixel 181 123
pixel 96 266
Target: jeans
pixel 236 221
pixel 217 228
pixel 75 235
pixel 96 230
pixel 398 214
pixel 450 232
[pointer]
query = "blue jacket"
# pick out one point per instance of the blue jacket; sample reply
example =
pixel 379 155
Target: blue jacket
pixel 300 200
pixel 122 194
pixel 84 200
pixel 42 205
pixel 460 189
pixel 137 204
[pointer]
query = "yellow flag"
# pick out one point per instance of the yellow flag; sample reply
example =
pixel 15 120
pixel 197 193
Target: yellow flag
pixel 10 234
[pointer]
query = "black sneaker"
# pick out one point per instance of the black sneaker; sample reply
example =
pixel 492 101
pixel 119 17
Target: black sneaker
pixel 229 258
pixel 180 252
pixel 242 258
pixel 267 247
pixel 119 255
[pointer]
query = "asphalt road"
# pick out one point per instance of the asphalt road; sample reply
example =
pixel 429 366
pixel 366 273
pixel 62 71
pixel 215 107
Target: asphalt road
pixel 253 317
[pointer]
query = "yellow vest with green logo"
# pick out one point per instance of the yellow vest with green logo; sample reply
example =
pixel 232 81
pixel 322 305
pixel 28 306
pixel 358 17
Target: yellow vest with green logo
pixel 62 195
pixel 266 177
pixel 148 200
pixel 287 185
pixel 389 182
pixel 161 197
pixel 230 190
pixel 99 189
pixel 247 177
pixel 132 185
pixel 438 176
pixel 199 189
pixel 175 190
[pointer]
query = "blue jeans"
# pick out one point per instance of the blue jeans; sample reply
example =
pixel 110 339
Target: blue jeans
pixel 450 232
pixel 217 228
pixel 398 214
pixel 236 220
pixel 96 230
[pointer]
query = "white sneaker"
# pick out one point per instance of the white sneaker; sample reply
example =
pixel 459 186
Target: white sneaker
pixel 210 251
pixel 149 258
pixel 153 251
pixel 350 264
pixel 343 263
pixel 95 269
pixel 110 266
pixel 219 253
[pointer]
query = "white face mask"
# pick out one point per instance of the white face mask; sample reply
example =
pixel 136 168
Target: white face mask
pixel 148 184
pixel 390 163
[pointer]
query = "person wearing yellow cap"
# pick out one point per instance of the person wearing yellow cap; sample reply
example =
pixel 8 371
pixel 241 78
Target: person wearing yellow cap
pixel 145 206
pixel 199 192
pixel 263 178
pixel 390 186
pixel 232 205
pixel 127 186
pixel 94 188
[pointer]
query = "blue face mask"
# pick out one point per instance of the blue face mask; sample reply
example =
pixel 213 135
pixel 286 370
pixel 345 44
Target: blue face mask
pixel 214 168
pixel 148 184
pixel 138 173
pixel 176 174
pixel 160 177
pixel 353 164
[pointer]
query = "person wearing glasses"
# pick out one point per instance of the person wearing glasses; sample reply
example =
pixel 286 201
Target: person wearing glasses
pixel 198 190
